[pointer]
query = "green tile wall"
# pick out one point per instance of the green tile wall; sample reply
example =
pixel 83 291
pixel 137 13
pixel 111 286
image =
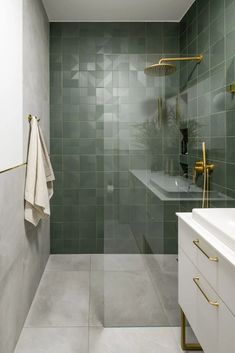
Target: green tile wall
pixel 100 101
pixel 209 28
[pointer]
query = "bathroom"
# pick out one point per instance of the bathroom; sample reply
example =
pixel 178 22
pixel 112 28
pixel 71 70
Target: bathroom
pixel 131 107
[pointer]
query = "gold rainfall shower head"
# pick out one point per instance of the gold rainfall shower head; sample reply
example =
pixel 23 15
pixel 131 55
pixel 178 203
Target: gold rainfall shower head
pixel 165 68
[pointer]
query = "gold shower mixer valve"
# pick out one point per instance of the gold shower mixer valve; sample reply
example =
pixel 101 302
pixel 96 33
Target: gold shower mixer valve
pixel 200 168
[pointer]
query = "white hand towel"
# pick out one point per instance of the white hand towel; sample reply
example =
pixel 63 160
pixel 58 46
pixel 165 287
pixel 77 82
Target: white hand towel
pixel 39 177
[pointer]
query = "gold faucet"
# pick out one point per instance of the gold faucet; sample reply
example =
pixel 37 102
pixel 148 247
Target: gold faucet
pixel 197 169
pixel 202 167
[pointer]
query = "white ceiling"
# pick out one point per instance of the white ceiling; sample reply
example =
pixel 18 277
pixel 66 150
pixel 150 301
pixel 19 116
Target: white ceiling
pixel 116 10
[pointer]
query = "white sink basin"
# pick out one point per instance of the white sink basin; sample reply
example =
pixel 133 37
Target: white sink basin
pixel 174 186
pixel 218 221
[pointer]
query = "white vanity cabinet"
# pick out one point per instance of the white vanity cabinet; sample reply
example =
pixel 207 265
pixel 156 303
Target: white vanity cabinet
pixel 207 286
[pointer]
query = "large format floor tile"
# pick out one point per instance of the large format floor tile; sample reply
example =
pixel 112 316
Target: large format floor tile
pixel 134 340
pixel 116 262
pixel 79 262
pixel 119 290
pixel 53 340
pixel 163 271
pixel 62 299
pixel 124 299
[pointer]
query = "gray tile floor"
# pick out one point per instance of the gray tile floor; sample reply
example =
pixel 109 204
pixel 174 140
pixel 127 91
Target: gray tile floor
pixel 80 294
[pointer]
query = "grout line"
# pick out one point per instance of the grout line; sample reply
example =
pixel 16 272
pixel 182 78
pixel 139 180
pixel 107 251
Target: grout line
pixel 89 310
pixel 65 326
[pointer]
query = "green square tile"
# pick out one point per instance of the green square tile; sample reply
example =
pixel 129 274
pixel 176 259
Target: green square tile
pixel 230 123
pixel 229 15
pixel 71 180
pixel 56 161
pixel 216 9
pixel 230 44
pixel 217 149
pixel 71 246
pixel 218 125
pixel 218 77
pixel 171 45
pixel 56 231
pixel 154 45
pixel 87 196
pixel 87 230
pixel 55 45
pixel 57 246
pixel 87 180
pixel 57 198
pixel 87 246
pixel 57 213
pixel 171 246
pixel 71 213
pixel 55 29
pixel 230 171
pixel 71 162
pixel 70 197
pixel 216 30
pixel 203 19
pixel 71 230
pixel 56 129
pixel 87 163
pixel 230 145
pixel 56 146
pixel 71 146
pixel 71 130
pixel 88 129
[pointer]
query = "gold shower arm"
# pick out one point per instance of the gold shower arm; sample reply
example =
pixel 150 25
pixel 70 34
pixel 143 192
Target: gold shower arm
pixel 190 58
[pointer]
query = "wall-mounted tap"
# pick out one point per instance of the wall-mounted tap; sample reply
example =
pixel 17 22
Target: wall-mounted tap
pixel 197 169
pixel 202 167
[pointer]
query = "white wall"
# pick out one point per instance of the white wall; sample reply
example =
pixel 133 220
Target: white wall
pixel 24 249
pixel 11 85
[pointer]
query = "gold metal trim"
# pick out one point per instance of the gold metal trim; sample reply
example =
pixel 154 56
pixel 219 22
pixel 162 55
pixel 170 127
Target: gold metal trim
pixel 187 346
pixel 211 258
pixel 189 58
pixel 17 166
pixel 211 302
pixel 202 167
pixel 231 88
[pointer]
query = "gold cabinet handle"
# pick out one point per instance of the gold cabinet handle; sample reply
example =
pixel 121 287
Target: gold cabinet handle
pixel 196 281
pixel 211 258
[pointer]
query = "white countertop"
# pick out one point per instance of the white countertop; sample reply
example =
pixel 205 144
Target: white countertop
pixel 219 246
pixel 161 182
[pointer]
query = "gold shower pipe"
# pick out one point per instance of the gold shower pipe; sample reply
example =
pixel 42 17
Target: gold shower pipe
pixel 189 58
pixel 204 168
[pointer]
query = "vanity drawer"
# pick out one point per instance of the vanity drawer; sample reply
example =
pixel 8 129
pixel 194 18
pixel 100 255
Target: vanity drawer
pixel 226 283
pixel 212 322
pixel 203 255
pixel 219 273
pixel 226 330
pixel 202 316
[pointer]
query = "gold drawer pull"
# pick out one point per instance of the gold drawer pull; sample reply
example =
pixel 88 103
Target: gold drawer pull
pixel 196 281
pixel 211 258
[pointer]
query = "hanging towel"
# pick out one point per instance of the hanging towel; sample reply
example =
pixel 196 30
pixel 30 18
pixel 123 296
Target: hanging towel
pixel 39 177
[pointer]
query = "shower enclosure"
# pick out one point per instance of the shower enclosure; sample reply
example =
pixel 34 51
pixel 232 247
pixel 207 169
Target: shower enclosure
pixel 123 150
pixel 141 153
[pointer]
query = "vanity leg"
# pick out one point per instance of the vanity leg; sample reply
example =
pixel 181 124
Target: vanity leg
pixel 187 346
